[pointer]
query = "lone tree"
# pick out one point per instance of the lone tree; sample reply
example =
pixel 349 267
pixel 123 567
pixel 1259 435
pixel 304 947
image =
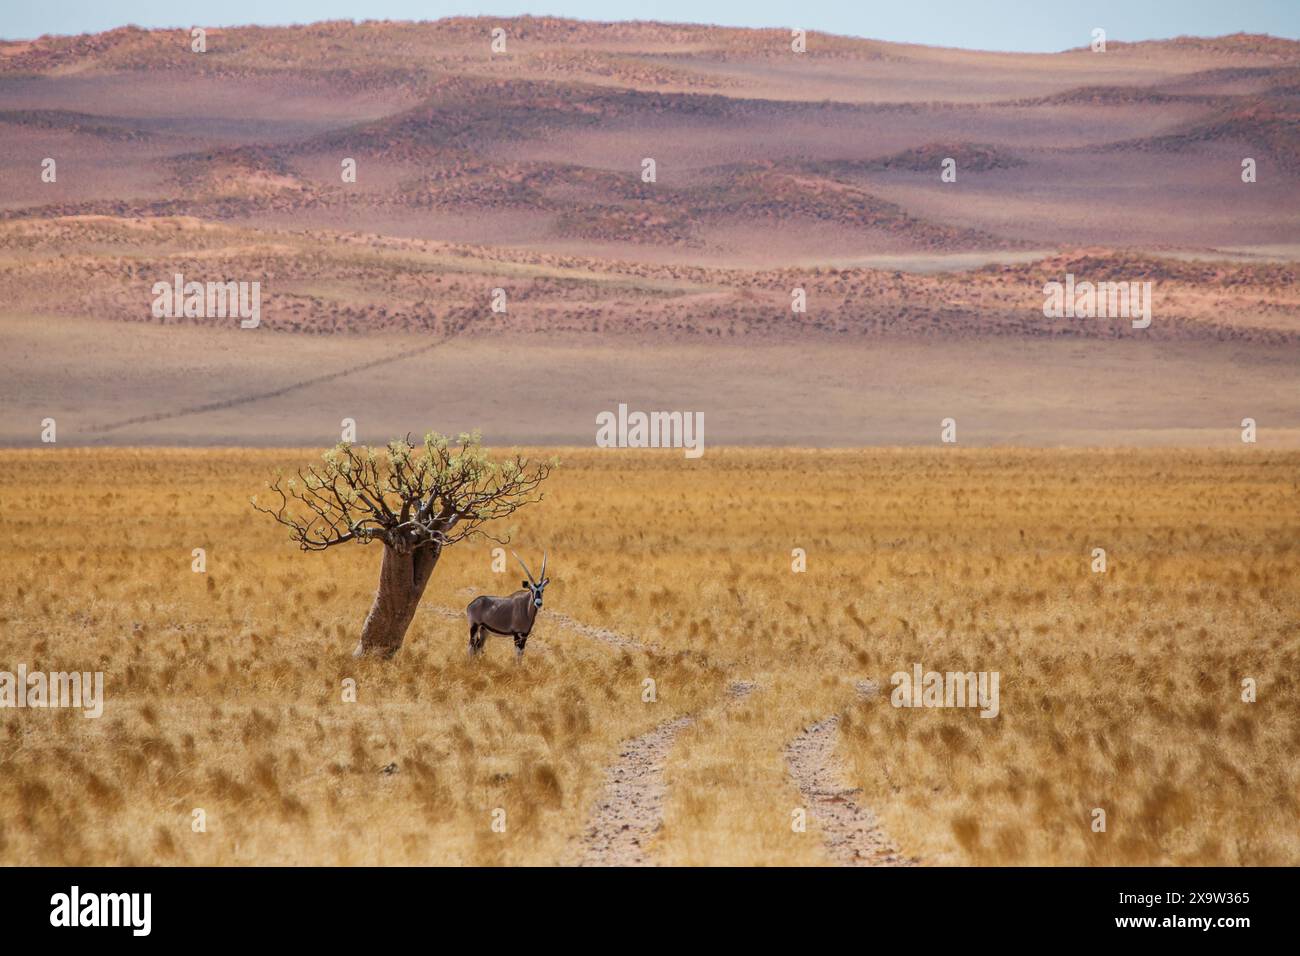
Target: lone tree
pixel 416 500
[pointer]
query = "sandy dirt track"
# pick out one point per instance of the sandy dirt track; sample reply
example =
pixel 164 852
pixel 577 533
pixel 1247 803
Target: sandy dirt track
pixel 629 812
pixel 283 390
pixel 852 834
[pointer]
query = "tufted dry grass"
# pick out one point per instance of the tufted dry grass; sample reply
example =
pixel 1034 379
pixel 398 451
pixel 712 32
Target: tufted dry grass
pixel 225 689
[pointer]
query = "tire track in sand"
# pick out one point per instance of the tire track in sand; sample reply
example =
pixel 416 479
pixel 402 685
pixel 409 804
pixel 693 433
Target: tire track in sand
pixel 851 832
pixel 603 634
pixel 630 810
pixel 235 401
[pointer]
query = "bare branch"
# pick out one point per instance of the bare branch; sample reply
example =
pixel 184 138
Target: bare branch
pixel 410 497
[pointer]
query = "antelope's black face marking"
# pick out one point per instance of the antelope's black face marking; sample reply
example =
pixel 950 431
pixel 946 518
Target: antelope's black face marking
pixel 536 591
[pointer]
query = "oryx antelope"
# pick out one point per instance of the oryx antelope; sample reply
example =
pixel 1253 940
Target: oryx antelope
pixel 512 616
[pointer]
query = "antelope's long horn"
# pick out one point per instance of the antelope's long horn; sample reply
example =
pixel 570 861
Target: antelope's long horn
pixel 525 567
pixel 543 578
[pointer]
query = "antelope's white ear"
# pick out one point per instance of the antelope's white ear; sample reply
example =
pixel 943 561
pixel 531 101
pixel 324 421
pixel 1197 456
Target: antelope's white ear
pixel 545 581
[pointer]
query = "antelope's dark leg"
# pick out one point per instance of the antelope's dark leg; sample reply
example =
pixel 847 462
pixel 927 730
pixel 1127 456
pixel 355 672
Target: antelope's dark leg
pixel 476 639
pixel 520 641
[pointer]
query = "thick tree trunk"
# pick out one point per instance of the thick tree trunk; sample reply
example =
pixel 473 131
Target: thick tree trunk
pixel 402 579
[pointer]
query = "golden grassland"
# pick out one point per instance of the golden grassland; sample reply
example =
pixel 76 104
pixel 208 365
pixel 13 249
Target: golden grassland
pixel 224 689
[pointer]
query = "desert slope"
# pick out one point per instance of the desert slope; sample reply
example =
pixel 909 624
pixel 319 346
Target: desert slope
pixel 523 171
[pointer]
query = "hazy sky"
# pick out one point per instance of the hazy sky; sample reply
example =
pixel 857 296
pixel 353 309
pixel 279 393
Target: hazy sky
pixel 1037 25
